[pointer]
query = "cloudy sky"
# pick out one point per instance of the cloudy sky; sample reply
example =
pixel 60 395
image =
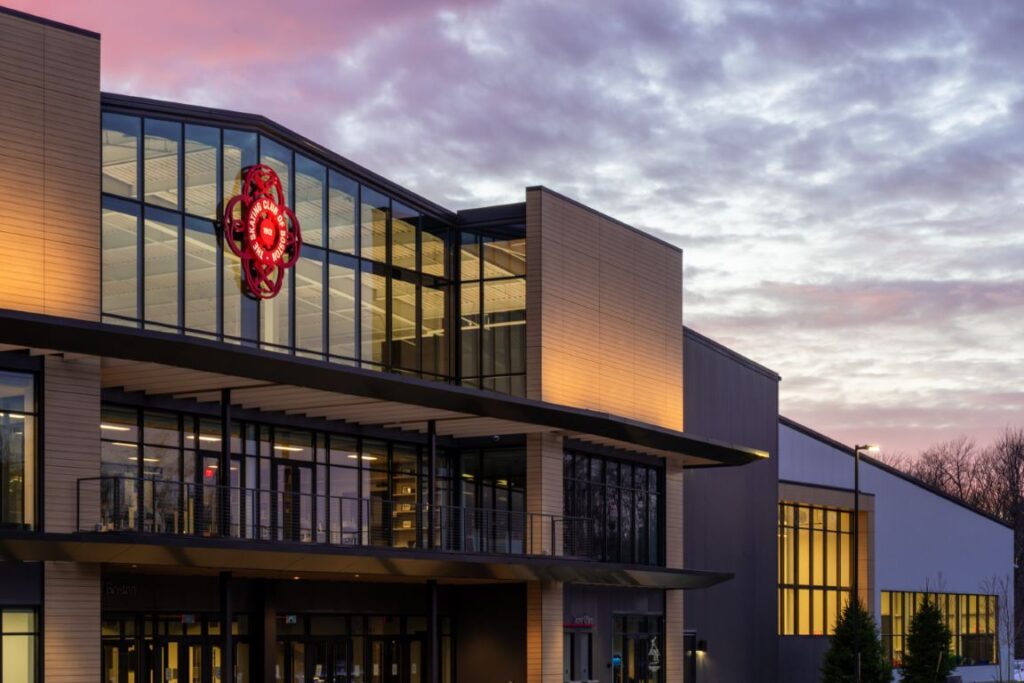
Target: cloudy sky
pixel 846 178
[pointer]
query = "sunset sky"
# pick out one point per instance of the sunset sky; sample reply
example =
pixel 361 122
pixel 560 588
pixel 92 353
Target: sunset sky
pixel 845 178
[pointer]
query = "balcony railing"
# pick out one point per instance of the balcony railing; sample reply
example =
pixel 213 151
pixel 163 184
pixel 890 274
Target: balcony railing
pixel 155 506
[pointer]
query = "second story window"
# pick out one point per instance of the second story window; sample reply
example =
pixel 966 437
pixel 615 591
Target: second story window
pixel 18 475
pixel 623 502
pixel 372 287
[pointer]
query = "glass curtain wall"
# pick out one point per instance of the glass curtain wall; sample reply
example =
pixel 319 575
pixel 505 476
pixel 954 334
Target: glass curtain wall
pixel 159 474
pixel 372 287
pixel 492 309
pixel 17 450
pixel 19 645
pixel 622 501
pixel 972 619
pixel 815 568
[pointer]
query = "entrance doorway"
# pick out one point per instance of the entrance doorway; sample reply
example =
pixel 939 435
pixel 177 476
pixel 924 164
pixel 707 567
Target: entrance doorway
pixel 389 659
pixel 168 648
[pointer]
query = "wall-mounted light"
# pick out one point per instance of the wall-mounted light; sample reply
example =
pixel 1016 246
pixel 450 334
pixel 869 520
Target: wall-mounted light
pixel 702 647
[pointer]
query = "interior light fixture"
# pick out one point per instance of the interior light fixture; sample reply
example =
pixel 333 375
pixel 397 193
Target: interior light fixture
pixel 114 428
pixel 289 449
pixel 124 444
pixel 365 457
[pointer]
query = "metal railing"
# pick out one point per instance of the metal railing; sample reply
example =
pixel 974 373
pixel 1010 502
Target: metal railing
pixel 156 506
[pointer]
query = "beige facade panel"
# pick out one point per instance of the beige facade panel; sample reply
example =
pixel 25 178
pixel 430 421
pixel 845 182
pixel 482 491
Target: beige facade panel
pixel 50 168
pixel 71 615
pixel 544 633
pixel 604 304
pixel 72 435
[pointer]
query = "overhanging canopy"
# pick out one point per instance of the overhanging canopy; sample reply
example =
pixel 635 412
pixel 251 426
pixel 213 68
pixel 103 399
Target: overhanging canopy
pixel 167 364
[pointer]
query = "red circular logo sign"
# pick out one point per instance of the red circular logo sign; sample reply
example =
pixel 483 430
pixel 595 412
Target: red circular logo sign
pixel 265 233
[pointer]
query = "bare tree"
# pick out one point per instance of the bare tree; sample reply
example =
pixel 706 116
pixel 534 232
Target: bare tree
pixel 1007 624
pixel 990 479
pixel 952 467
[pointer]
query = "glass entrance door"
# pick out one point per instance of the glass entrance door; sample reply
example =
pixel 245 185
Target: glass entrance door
pixel 330 661
pixel 396 660
pixel 385 660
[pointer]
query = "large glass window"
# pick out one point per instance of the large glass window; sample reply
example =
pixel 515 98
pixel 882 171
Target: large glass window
pixel 121 154
pixel 202 150
pixel 621 503
pixel 972 620
pixel 309 303
pixel 17 450
pixel 19 646
pixel 815 568
pixel 160 474
pixel 120 260
pixel 310 186
pixel 342 322
pixel 373 233
pixel 371 288
pixel 163 143
pixel 160 267
pixel 201 277
pixel 374 316
pixel 493 310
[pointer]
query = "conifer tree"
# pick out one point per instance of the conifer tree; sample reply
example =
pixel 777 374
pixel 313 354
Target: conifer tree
pixel 855 631
pixel 927 659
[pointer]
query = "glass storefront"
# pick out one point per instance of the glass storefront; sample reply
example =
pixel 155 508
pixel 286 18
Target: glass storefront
pixel 171 648
pixel 358 649
pixel 320 648
pixel 17 450
pixel 19 645
pixel 160 474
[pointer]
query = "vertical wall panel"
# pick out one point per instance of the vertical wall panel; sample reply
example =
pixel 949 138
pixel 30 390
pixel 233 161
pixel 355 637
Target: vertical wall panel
pixel 71 622
pixel 731 514
pixel 544 655
pixel 50 169
pixel 604 306
pixel 71 423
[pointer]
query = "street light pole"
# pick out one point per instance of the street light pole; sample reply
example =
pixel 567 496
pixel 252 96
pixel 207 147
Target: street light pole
pixel 856 538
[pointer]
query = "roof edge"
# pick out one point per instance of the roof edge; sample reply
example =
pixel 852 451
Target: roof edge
pixel 889 469
pixel 576 202
pixel 726 351
pixel 261 123
pixel 36 19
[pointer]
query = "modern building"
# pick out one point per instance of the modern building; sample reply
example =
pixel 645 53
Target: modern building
pixel 267 416
pixel 785 527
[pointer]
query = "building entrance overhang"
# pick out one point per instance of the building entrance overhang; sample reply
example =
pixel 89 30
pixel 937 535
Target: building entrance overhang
pixel 173 365
pixel 310 561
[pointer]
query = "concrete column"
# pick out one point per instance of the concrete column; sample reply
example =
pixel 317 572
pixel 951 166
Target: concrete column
pixel 71 622
pixel 544 613
pixel 544 493
pixel 674 648
pixel 71 445
pixel 544 601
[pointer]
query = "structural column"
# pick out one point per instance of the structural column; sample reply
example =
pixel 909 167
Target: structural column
pixel 71 591
pixel 674 650
pixel 545 604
